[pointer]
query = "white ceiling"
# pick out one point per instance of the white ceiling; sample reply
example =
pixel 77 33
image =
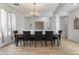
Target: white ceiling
pixel 44 9
pixel 69 7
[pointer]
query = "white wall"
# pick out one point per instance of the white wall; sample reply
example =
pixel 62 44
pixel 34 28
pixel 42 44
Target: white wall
pixel 64 25
pixel 47 22
pixel 73 34
pixel 20 23
pixel 57 23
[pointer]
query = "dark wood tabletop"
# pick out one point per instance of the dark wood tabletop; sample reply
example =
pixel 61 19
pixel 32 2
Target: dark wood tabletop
pixel 33 35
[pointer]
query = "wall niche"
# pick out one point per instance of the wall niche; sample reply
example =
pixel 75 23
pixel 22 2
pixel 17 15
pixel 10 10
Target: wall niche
pixel 76 23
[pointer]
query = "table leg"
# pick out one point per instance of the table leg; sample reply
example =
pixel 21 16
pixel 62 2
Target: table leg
pixel 46 42
pixel 58 42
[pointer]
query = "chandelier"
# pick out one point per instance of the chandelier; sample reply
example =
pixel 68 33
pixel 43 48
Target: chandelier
pixel 34 12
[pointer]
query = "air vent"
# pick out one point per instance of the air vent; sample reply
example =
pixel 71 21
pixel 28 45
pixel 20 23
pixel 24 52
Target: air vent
pixel 16 4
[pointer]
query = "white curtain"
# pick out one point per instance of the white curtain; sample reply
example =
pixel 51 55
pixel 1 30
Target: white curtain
pixel 13 18
pixel 7 25
pixel 4 24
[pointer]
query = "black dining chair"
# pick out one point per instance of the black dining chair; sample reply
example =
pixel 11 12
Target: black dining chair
pixel 16 37
pixel 20 37
pixel 16 31
pixel 26 37
pixel 49 37
pixel 57 37
pixel 60 33
pixel 38 37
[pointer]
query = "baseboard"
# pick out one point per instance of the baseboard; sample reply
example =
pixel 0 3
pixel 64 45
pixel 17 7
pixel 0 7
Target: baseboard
pixel 73 41
pixel 7 43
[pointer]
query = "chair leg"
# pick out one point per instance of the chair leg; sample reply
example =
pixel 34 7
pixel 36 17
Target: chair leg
pixel 30 43
pixel 54 42
pixel 60 41
pixel 41 43
pixel 51 43
pixel 57 43
pixel 26 42
pixel 46 43
pixel 35 43
pixel 23 42
pixel 17 43
pixel 20 42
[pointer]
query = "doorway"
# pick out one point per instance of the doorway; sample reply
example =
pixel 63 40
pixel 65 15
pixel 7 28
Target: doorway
pixel 64 25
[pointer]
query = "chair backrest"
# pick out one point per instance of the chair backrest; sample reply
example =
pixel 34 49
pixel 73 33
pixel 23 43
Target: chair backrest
pixel 15 31
pixel 26 34
pixel 49 34
pixel 38 34
pixel 60 31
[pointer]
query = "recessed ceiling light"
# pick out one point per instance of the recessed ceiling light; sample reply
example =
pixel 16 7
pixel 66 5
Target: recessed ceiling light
pixel 75 4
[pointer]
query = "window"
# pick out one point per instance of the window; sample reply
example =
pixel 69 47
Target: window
pixel 7 25
pixel 4 24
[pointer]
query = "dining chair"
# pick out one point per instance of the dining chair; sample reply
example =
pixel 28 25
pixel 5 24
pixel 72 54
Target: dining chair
pixel 60 33
pixel 16 31
pixel 38 37
pixel 57 37
pixel 20 37
pixel 26 37
pixel 49 37
pixel 16 37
